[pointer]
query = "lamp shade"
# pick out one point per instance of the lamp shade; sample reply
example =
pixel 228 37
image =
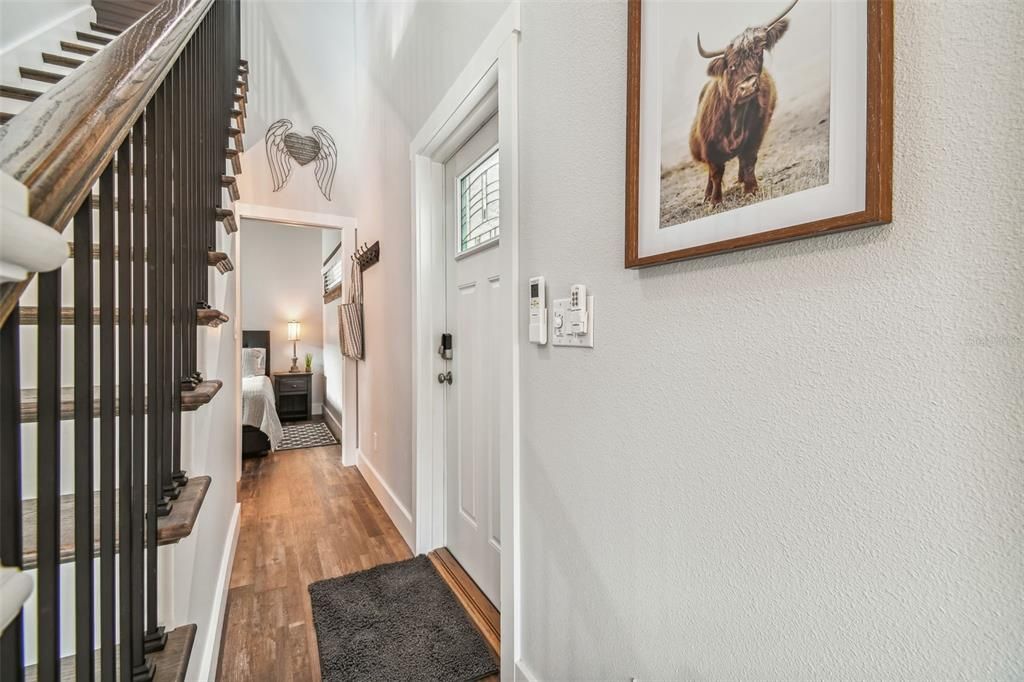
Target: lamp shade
pixel 293 331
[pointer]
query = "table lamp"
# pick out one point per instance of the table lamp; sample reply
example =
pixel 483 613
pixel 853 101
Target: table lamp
pixel 293 336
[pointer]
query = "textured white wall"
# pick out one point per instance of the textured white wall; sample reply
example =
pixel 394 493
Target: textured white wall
pixel 407 56
pixel 27 29
pixel 281 282
pixel 301 68
pixel 211 446
pixel 795 462
pixel 20 19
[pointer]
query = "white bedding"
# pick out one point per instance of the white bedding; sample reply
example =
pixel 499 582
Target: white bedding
pixel 258 408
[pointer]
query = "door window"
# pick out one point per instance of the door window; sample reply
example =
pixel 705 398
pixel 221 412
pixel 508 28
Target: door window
pixel 479 219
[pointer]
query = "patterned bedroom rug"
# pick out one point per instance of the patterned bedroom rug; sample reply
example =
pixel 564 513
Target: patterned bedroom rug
pixel 313 435
pixel 398 621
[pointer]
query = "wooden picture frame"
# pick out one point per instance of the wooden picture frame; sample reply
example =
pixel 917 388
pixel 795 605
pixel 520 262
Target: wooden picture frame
pixel 877 207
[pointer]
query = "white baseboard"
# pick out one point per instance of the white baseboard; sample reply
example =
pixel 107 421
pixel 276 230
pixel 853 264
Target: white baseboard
pixel 400 516
pixel 332 422
pixel 318 408
pixel 211 650
pixel 522 673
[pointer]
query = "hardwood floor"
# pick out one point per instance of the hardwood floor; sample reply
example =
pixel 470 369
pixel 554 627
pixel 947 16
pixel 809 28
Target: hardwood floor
pixel 304 518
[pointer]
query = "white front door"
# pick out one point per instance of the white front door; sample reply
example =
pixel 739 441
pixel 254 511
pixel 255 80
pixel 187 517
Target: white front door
pixel 473 270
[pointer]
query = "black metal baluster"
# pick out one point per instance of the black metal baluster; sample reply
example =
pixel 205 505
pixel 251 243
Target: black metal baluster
pixel 85 641
pixel 108 407
pixel 12 642
pixel 179 211
pixel 136 547
pixel 125 248
pixel 155 191
pixel 48 483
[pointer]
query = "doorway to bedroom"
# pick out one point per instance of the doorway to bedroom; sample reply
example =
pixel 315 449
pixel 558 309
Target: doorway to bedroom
pixel 291 361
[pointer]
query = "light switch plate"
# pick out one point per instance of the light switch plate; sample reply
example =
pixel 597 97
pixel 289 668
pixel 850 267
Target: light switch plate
pixel 562 337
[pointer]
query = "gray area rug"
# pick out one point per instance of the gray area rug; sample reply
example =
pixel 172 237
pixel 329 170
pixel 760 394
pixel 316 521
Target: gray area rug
pixel 398 621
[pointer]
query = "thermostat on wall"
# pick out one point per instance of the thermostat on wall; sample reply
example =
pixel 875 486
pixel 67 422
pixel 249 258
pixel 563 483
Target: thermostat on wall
pixel 538 312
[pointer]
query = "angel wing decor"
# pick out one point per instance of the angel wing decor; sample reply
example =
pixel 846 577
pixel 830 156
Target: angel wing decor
pixel 284 146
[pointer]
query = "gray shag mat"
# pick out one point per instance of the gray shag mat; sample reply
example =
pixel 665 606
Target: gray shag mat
pixel 397 621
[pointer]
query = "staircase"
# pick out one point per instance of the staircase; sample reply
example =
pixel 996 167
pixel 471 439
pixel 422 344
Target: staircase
pixel 117 171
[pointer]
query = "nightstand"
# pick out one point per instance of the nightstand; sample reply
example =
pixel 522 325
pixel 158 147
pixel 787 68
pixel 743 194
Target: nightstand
pixel 294 394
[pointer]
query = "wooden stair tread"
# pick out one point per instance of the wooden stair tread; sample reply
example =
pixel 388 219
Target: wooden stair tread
pixel 87 37
pixel 227 217
pixel 40 75
pixel 190 400
pixel 172 528
pixel 231 185
pixel 210 317
pixel 5 117
pixel 78 48
pixel 220 260
pixel 101 28
pixel 236 135
pixel 61 60
pixel 171 662
pixel 18 93
pixel 207 317
pixel 212 257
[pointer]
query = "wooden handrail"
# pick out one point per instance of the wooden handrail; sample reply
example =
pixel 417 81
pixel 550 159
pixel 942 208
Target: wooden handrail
pixel 58 146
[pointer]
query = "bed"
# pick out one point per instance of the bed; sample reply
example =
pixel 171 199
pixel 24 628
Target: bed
pixel 261 428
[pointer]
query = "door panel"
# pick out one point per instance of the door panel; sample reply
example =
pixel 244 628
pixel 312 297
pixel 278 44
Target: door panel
pixel 472 420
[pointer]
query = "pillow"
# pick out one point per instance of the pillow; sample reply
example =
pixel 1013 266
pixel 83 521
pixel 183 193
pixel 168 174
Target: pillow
pixel 253 361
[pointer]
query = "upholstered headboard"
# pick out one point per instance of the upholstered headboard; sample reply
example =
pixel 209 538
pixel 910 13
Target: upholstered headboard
pixel 258 338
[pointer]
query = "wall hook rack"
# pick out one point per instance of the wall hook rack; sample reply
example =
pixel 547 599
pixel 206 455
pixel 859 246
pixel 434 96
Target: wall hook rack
pixel 367 256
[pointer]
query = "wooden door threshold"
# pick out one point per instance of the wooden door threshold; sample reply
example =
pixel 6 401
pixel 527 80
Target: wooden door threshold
pixel 478 607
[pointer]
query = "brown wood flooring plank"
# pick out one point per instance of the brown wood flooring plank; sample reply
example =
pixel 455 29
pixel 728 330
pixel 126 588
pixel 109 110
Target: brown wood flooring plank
pixel 304 518
pixel 169 529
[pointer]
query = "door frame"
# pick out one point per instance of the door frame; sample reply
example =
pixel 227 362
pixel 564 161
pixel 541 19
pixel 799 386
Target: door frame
pixel 349 238
pixel 488 84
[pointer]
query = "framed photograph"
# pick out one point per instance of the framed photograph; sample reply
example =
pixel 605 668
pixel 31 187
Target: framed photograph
pixel 751 122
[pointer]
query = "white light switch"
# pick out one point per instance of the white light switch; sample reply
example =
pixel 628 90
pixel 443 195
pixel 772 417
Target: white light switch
pixel 565 319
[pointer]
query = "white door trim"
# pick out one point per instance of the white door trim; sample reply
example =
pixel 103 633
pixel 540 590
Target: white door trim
pixel 349 392
pixel 495 63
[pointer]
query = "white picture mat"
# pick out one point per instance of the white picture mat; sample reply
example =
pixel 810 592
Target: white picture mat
pixel 845 191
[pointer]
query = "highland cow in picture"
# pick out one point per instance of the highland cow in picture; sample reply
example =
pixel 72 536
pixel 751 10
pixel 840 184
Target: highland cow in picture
pixel 759 106
pixel 736 105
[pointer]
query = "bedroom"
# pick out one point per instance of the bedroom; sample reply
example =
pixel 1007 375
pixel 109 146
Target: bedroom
pixel 291 358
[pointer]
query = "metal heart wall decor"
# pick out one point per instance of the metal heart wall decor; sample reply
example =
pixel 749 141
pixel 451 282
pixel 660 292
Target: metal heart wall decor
pixel 283 147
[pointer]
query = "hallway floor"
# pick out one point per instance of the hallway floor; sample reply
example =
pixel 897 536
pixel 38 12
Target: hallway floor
pixel 304 517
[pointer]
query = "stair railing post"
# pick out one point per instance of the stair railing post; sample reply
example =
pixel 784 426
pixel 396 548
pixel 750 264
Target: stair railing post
pixel 141 216
pixel 12 641
pixel 48 483
pixel 85 541
pixel 108 407
pixel 156 224
pixel 125 440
